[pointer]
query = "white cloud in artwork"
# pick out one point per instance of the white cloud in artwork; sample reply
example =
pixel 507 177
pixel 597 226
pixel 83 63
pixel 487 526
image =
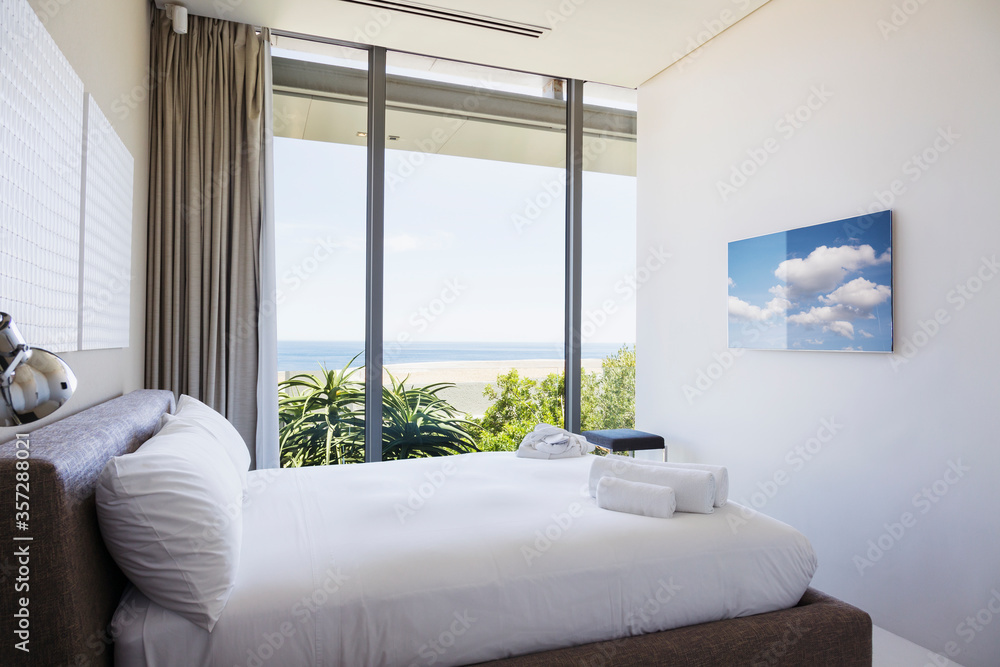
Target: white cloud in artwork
pixel 851 348
pixel 822 315
pixel 741 310
pixel 865 334
pixel 825 268
pixel 732 283
pixel 853 301
pixel 859 293
pixel 845 329
pixel 832 318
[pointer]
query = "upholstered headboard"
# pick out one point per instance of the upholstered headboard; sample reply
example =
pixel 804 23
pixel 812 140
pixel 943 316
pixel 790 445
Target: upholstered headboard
pixel 72 585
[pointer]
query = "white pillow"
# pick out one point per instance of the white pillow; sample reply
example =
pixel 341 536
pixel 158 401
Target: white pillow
pixel 195 412
pixel 171 515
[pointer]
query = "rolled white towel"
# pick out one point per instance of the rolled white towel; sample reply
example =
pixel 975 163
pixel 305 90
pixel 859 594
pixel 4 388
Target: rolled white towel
pixel 720 473
pixel 694 489
pixel 621 495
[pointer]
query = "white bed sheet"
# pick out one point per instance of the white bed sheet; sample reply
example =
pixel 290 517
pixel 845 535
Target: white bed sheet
pixel 457 560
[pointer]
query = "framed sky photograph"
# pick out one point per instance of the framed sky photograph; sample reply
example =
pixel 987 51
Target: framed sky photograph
pixel 825 287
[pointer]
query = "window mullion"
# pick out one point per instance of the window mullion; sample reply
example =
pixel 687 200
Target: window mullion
pixel 374 278
pixel 574 250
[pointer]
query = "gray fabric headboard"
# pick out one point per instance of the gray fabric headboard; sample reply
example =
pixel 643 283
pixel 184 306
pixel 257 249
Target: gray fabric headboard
pixel 73 586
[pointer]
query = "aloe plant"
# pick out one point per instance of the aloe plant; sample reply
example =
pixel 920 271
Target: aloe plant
pixel 416 422
pixel 318 418
pixel 322 418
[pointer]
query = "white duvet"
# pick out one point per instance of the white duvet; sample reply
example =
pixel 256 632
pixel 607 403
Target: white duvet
pixel 457 560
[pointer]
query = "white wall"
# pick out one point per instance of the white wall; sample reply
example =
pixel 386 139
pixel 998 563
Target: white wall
pixel 107 43
pixel 901 422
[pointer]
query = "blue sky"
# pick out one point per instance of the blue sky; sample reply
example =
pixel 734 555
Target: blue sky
pixel 457 268
pixel 824 287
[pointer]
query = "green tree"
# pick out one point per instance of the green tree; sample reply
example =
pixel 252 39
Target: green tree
pixel 607 400
pixel 519 404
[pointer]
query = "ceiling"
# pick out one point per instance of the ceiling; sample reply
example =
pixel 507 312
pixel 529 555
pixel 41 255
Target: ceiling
pixel 618 42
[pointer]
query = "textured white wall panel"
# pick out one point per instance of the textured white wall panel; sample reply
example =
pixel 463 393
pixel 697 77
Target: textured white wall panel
pixel 41 112
pixel 107 236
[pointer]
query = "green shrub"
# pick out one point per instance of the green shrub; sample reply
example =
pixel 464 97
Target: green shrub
pixel 322 417
pixel 607 400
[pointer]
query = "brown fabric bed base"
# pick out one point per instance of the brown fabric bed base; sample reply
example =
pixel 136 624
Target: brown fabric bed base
pixel 820 630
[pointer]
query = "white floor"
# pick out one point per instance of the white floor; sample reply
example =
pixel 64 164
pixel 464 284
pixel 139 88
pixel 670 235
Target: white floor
pixel 891 650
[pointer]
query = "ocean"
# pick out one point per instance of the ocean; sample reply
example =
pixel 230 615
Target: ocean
pixel 309 355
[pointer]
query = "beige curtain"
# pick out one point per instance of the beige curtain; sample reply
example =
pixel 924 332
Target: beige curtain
pixel 205 209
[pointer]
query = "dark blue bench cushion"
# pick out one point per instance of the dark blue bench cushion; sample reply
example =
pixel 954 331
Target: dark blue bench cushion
pixel 624 439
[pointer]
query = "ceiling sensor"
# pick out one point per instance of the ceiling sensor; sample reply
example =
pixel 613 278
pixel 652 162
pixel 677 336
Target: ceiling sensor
pixel 443 14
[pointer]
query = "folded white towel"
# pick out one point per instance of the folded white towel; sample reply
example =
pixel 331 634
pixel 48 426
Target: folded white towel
pixel 694 489
pixel 621 495
pixel 550 442
pixel 720 473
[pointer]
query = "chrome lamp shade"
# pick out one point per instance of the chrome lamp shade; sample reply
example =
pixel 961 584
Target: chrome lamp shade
pixel 34 383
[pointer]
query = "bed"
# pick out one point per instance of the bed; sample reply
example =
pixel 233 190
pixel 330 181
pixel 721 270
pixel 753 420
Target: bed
pixel 76 587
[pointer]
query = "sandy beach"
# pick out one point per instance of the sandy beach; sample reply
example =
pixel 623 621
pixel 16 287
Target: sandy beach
pixel 470 377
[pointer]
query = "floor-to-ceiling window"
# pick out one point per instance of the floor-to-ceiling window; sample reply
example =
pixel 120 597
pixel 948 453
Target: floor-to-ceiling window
pixel 473 248
pixel 320 153
pixel 474 253
pixel 610 274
